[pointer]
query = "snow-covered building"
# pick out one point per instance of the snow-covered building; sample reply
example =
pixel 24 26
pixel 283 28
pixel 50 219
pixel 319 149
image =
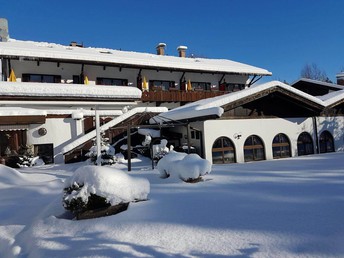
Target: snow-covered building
pixel 49 92
pixel 268 121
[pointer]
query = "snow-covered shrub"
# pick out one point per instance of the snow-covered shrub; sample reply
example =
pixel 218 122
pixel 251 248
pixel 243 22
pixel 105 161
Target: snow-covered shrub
pixel 188 167
pixel 193 167
pixel 160 150
pixel 107 152
pixel 27 161
pixel 26 157
pixel 167 163
pixel 93 187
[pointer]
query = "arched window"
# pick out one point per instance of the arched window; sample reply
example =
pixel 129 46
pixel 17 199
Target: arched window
pixel 326 142
pixel 223 151
pixel 305 144
pixel 254 149
pixel 281 146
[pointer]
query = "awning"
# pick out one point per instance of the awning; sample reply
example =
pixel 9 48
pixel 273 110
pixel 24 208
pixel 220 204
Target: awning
pixel 13 127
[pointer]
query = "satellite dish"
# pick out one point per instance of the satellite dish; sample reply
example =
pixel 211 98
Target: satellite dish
pixel 3 30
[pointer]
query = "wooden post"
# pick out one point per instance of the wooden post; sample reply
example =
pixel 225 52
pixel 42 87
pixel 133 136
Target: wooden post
pixel 189 137
pixel 128 147
pixel 99 151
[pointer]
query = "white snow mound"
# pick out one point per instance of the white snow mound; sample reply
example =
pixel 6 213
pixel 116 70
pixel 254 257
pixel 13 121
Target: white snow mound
pixel 113 184
pixel 185 166
pixel 11 176
pixel 193 167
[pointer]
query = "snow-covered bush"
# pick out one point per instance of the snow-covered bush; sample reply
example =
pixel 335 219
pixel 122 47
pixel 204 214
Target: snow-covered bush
pixel 188 167
pixel 27 161
pixel 26 157
pixel 107 156
pixel 160 150
pixel 166 165
pixel 93 187
pixel 193 167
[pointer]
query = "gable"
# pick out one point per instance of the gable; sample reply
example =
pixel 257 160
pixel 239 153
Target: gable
pixel 272 102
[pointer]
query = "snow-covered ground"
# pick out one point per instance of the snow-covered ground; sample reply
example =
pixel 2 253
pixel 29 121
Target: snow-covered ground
pixel 281 208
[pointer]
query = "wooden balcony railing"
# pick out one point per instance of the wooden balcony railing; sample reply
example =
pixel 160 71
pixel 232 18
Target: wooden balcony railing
pixel 178 96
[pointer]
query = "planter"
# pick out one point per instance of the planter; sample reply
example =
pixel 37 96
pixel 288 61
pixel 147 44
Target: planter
pixel 102 212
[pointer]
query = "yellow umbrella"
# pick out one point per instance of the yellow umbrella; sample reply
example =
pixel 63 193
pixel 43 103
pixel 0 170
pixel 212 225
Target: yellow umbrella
pixel 189 86
pixel 85 80
pixel 13 77
pixel 145 84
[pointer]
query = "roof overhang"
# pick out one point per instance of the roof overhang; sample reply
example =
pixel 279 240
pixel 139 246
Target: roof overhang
pixel 49 52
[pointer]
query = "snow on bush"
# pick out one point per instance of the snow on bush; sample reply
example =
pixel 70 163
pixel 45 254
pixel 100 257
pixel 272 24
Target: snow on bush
pixel 112 185
pixel 166 165
pixel 26 161
pixel 193 167
pixel 107 152
pixel 188 167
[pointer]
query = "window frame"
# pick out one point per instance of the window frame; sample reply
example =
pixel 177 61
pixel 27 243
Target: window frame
pixel 305 144
pixel 323 143
pixel 222 151
pixel 160 85
pixel 206 86
pixel 26 77
pixel 123 82
pixel 281 145
pixel 257 145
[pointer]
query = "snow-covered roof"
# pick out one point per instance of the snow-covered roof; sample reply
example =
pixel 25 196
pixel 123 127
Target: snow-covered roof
pixel 32 89
pixel 325 84
pixel 341 74
pixel 81 140
pixel 43 50
pixel 84 112
pixel 18 111
pixel 213 106
pixel 332 97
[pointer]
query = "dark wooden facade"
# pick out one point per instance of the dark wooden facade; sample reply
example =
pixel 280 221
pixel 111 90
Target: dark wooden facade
pixel 178 96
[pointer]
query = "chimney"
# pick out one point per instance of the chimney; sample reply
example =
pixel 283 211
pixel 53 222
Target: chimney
pixel 76 44
pixel 182 51
pixel 3 30
pixel 160 49
pixel 340 78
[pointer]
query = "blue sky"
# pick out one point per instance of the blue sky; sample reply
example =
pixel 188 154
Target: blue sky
pixel 279 35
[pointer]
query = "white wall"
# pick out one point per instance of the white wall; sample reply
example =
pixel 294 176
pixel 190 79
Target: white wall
pixel 60 131
pixel 335 125
pixel 267 129
pixel 67 71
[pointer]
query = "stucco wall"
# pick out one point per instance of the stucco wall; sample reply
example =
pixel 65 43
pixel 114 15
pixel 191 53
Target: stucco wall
pixel 60 131
pixel 267 129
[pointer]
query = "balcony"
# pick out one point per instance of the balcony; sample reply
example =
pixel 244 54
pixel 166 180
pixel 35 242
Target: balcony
pixel 178 95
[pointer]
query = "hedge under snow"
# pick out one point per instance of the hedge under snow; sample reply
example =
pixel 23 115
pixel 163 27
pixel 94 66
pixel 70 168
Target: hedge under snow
pixel 114 185
pixel 185 166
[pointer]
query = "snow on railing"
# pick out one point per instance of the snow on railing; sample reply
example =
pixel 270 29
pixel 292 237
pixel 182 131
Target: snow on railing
pixel 81 140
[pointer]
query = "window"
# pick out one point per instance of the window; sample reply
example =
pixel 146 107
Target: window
pixel 223 151
pixel 111 81
pixel 45 152
pixel 254 149
pixel 200 85
pixel 305 144
pixel 326 142
pixel 231 87
pixel 161 85
pixel 281 146
pixel 41 78
pixel 195 134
